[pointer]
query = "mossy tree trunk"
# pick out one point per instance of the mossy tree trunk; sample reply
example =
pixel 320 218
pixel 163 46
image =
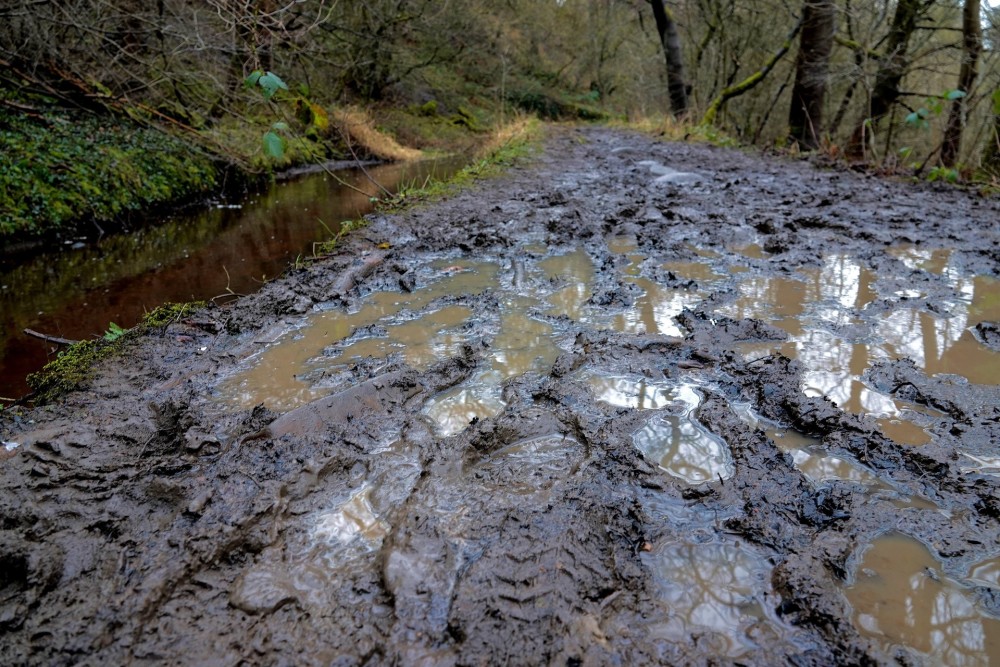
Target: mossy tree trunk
pixel 972 45
pixel 892 67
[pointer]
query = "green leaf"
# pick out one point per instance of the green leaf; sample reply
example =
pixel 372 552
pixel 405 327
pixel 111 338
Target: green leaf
pixel 996 102
pixel 280 125
pixel 114 332
pixel 252 80
pixel 271 83
pixel 954 95
pixel 274 145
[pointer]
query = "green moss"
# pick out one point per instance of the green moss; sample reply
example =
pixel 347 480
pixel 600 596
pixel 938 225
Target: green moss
pixel 74 365
pixel 74 166
pixel 70 369
pixel 169 313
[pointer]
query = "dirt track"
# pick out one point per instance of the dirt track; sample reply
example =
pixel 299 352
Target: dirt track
pixel 157 517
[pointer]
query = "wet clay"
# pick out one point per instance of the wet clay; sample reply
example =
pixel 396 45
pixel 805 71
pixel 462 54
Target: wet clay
pixel 631 403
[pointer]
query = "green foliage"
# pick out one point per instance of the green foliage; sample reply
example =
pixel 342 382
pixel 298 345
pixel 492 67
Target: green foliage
pixel 169 313
pixel 934 107
pixel 80 166
pixel 268 82
pixel 72 368
pixel 947 174
pixel 996 102
pixel 274 144
pixel 114 332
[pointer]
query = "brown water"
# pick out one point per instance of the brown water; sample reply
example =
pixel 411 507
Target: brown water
pixel 902 596
pixel 75 292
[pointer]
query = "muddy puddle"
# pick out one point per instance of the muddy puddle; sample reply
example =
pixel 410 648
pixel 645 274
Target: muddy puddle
pixel 902 597
pixel 631 404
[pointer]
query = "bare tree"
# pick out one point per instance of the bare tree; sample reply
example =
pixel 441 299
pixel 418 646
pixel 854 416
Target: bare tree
pixel 893 65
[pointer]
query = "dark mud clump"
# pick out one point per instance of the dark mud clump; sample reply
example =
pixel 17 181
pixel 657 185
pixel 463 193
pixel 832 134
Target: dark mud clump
pixel 631 403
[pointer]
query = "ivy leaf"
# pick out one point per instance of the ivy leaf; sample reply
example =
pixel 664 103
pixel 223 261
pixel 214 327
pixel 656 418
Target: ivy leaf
pixel 274 145
pixel 252 80
pixel 271 83
pixel 954 95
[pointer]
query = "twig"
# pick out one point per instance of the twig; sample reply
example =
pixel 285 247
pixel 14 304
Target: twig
pixel 51 339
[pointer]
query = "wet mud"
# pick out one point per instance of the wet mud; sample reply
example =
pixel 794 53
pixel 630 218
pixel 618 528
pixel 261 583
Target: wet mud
pixel 632 403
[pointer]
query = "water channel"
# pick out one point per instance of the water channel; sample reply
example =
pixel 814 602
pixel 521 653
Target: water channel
pixel 230 245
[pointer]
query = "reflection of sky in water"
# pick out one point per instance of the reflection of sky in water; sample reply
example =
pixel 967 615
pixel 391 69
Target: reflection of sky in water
pixel 453 409
pixel 640 393
pixel 710 590
pixel 685 449
pixel 841 287
pixel 351 519
pixel 902 596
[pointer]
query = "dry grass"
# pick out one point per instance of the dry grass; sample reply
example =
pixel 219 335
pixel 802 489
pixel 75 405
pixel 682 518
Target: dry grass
pixel 520 129
pixel 358 129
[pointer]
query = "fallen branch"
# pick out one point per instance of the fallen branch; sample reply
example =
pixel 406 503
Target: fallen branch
pixel 51 339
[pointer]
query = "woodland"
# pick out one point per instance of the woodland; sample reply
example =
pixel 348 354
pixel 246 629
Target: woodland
pixel 909 85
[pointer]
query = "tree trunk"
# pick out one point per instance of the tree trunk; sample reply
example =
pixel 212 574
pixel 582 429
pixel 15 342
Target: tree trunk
pixel 892 68
pixel 972 44
pixel 805 116
pixel 991 154
pixel 671 42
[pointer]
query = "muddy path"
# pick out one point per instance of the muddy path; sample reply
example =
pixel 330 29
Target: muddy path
pixel 631 403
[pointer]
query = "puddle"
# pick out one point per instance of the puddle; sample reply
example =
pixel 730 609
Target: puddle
pixel 714 592
pixel 529 465
pixel 698 271
pixel 640 393
pixel 577 270
pixel 684 448
pixel 353 519
pixel 421 342
pixel 522 345
pixel 808 453
pixel 655 310
pixel 278 377
pixel 943 345
pixel 902 597
pixel 981 465
pixel 986 573
pixel 934 261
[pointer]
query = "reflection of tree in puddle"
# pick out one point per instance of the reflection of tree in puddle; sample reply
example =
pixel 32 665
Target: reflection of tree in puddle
pixel 710 591
pixel 945 344
pixel 902 596
pixel 685 449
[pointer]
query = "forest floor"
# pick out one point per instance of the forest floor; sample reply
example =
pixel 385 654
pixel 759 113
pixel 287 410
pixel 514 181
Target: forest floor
pixel 632 402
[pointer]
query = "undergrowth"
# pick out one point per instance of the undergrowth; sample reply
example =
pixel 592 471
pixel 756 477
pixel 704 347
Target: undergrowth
pixel 70 166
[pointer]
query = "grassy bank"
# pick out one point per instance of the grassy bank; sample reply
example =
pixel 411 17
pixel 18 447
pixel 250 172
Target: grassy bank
pixel 60 167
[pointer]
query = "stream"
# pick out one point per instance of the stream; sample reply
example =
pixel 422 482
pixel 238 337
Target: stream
pixel 212 251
